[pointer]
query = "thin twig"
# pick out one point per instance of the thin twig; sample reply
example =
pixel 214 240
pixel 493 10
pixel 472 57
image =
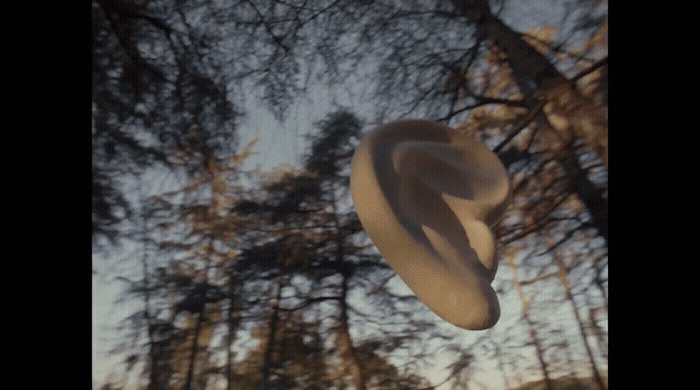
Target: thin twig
pixel 520 126
pixel 593 67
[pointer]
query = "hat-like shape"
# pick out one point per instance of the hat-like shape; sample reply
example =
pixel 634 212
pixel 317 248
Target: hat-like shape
pixel 427 196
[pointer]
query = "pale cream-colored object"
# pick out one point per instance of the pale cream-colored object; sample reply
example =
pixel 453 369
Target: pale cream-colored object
pixel 427 196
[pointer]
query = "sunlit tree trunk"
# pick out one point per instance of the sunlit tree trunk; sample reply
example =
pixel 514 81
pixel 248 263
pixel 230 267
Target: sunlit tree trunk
pixel 501 365
pixel 532 328
pixel 539 351
pixel 563 112
pixel 194 348
pixel 271 338
pixel 568 110
pixel 153 375
pixel 564 278
pixel 599 281
pixel 345 344
pixel 598 332
pixel 158 339
pixel 571 364
pixel 589 194
pixel 229 360
pixel 232 321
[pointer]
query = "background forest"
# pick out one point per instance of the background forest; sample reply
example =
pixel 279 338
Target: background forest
pixel 226 250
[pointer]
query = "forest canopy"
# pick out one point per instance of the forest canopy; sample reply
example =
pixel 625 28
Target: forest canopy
pixel 242 278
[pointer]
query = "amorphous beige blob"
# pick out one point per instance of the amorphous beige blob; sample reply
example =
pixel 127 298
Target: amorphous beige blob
pixel 427 197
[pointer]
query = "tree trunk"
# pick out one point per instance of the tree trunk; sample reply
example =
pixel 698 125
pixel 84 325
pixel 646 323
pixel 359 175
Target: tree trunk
pixel 271 336
pixel 540 352
pixel 566 113
pixel 598 332
pixel 345 345
pixel 600 282
pixel 589 194
pixel 201 317
pixel 525 303
pixel 232 323
pixel 193 351
pixel 501 365
pixel 159 340
pixel 343 339
pixel 567 109
pixel 564 278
